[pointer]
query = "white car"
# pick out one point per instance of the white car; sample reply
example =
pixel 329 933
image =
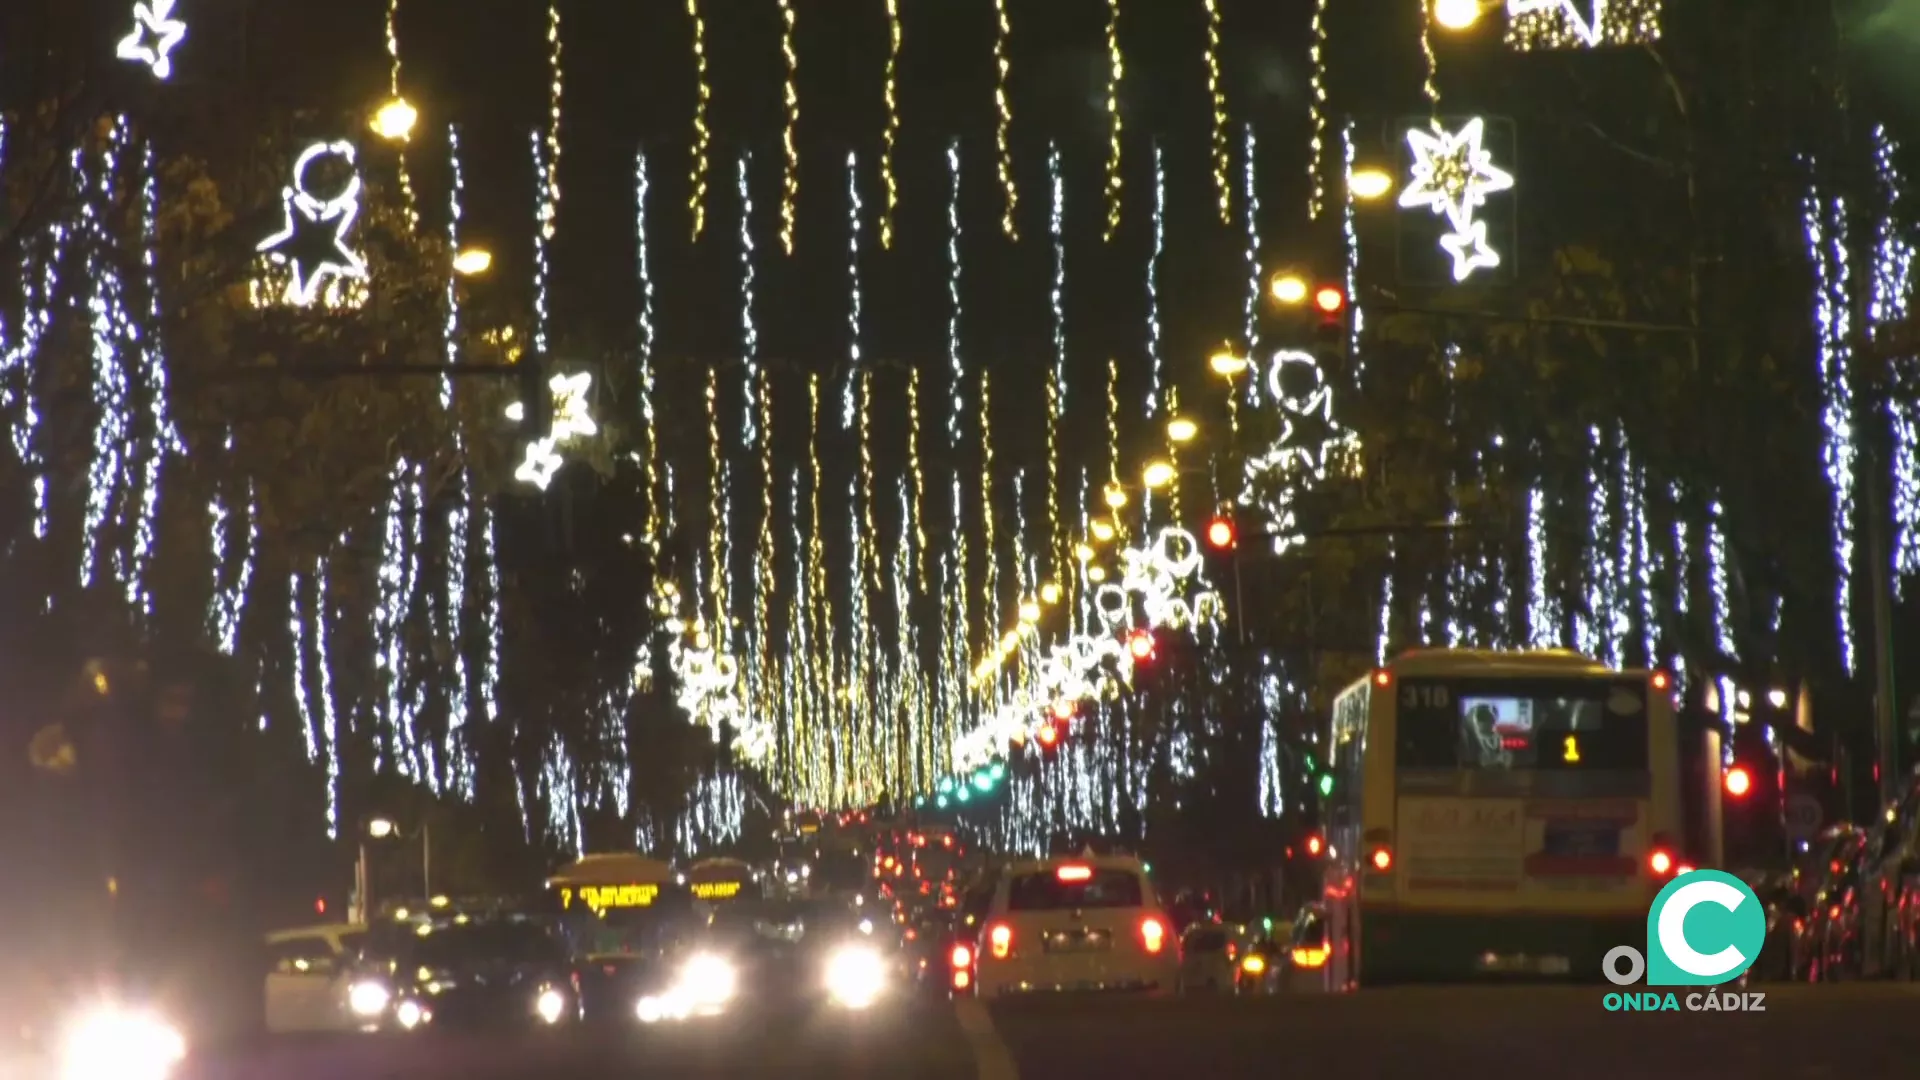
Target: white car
pixel 306 987
pixel 1083 923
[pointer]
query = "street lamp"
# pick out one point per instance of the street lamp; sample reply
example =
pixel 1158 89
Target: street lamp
pixel 1368 184
pixel 1288 289
pixel 1181 430
pixel 472 261
pixel 1456 14
pixel 394 121
pixel 1158 474
pixel 1116 498
pixel 1050 593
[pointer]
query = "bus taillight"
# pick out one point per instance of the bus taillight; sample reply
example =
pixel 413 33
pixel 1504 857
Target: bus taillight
pixel 1661 860
pixel 1381 859
pixel 1382 677
pixel 1661 680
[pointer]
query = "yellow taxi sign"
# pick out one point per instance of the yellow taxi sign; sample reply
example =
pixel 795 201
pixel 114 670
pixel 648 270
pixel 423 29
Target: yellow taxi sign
pixel 716 890
pixel 604 897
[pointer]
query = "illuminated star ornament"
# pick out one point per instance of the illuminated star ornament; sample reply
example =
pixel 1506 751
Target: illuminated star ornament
pixel 1452 176
pixel 1581 24
pixel 314 239
pixel 572 419
pixel 156 33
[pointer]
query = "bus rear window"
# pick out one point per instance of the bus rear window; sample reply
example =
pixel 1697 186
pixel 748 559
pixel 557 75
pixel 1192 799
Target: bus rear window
pixel 1046 892
pixel 1506 725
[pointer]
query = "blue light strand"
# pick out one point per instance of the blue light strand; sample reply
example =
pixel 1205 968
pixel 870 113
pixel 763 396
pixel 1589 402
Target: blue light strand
pixel 1255 288
pixel 1155 361
pixel 853 293
pixel 749 332
pixel 1825 225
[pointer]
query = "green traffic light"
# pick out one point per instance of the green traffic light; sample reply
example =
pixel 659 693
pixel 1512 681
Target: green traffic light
pixel 963 794
pixel 940 802
pixel 999 771
pixel 984 782
pixel 946 785
pixel 1326 783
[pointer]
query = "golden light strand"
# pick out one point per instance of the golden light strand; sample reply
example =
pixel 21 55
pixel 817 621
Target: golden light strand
pixel 1003 133
pixel 892 132
pixel 792 97
pixel 992 589
pixel 1116 70
pixel 1222 155
pixel 1431 86
pixel 1173 455
pixel 919 481
pixel 764 584
pixel 716 545
pixel 554 85
pixel 869 563
pixel 822 614
pixel 697 201
pixel 1113 422
pixel 407 201
pixel 1316 143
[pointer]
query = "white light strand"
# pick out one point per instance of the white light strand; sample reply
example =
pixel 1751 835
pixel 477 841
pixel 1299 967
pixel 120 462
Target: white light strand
pixel 163 439
pixel 954 366
pixel 1317 111
pixel 854 373
pixel 452 624
pixel 1892 283
pixel 107 467
pixel 394 581
pixel 749 332
pixel 544 212
pixel 1155 406
pixel 1057 229
pixel 1255 286
pixel 491 625
pixel 1825 224
pixel 1717 583
pixel 1543 620
pixel 299 605
pixel 1350 229
pixel 43 287
pixel 329 715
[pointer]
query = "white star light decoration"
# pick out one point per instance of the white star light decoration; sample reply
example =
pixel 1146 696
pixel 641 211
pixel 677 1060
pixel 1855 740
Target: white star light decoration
pixel 709 682
pixel 156 33
pixel 571 420
pixel 1311 442
pixel 1452 176
pixel 330 259
pixel 1581 24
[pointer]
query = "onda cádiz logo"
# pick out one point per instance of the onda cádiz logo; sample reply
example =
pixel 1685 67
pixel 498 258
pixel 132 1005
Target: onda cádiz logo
pixel 1704 929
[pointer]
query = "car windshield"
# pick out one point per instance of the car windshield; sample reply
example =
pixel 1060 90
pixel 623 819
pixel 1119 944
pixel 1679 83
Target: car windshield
pixel 1052 890
pixel 517 943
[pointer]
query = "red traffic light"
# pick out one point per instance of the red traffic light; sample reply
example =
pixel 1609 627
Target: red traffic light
pixel 1063 710
pixel 1739 782
pixel 1314 845
pixel 1140 644
pixel 1048 736
pixel 1220 533
pixel 1330 300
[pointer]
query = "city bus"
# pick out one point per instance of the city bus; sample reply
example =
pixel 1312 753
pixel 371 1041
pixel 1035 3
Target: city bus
pixel 1497 813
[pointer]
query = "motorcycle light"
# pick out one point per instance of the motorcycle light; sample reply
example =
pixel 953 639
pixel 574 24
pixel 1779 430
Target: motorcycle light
pixel 113 1043
pixel 551 1005
pixel 368 999
pixel 856 977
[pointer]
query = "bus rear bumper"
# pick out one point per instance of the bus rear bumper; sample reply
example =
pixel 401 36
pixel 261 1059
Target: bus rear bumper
pixel 1411 946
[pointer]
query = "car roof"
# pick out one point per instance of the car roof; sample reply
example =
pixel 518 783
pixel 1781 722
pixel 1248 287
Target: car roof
pixel 1097 862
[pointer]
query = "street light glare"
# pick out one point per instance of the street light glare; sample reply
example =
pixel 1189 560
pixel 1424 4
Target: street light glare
pixel 1456 14
pixel 472 261
pixel 1157 475
pixel 380 828
pixel 1224 363
pixel 1182 430
pixel 1116 498
pixel 394 121
pixel 1288 289
pixel 1368 184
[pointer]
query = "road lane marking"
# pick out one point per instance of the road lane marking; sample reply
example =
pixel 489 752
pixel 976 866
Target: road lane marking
pixel 991 1057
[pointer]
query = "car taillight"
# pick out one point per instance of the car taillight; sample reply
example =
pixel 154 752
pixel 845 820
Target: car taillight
pixel 1153 934
pixel 962 979
pixel 1660 860
pixel 1000 938
pixel 961 958
pixel 1310 958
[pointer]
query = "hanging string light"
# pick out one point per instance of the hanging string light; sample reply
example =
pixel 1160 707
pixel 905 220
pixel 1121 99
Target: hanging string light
pixel 1116 69
pixel 1153 281
pixel 716 514
pixel 1057 386
pixel 1317 110
pixel 791 192
pixel 1543 617
pixel 1430 86
pixel 323 631
pixel 407 201
pixel 651 453
pixel 916 508
pixel 1003 102
pixel 493 627
pixel 1255 285
pixel 702 137
pixel 891 134
pixel 1827 248
pixel 1892 284
pixel 869 563
pixel 163 439
pixel 854 369
pixel 109 328
pixel 956 370
pixel 299 606
pixel 749 330
pixel 764 583
pixel 1222 155
pixel 44 283
pixel 453 599
pixel 991 547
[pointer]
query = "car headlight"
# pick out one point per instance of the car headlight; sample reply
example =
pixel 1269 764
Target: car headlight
pixel 368 999
pixel 410 1014
pixel 707 981
pixel 856 976
pixel 115 1043
pixel 551 1005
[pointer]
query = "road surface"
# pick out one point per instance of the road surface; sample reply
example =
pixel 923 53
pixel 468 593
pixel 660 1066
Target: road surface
pixel 1853 1031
